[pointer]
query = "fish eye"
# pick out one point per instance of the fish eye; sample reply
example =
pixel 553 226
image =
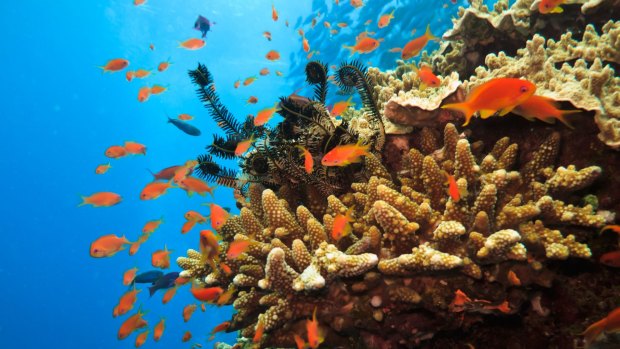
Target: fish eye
pixel 523 89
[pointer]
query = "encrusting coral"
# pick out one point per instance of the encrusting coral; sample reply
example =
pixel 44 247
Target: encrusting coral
pixel 412 249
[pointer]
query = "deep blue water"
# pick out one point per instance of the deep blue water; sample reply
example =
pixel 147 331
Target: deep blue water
pixel 59 114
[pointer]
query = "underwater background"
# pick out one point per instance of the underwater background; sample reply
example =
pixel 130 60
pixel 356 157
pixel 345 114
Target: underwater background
pixel 60 113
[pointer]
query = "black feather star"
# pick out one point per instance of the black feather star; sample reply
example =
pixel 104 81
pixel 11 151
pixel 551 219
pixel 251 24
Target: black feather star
pixel 224 147
pixel 211 171
pixel 316 74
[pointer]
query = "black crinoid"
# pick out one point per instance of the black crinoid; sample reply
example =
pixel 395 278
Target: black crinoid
pixel 276 161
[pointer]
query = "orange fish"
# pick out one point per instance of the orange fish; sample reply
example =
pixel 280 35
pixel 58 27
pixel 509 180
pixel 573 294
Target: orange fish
pixel 308 160
pixel 218 216
pixel 279 73
pixel 544 109
pixel 157 89
pixel 158 331
pixel 273 55
pixel 315 335
pixel 249 80
pixel 151 226
pixel 194 216
pixel 341 106
pixel 327 25
pixel 244 145
pixel 427 78
pixel 114 65
pixel 364 45
pixel 305 45
pixel 299 342
pixel 611 259
pixel 135 148
pixel 195 185
pixel 219 328
pixel 163 66
pixel 395 49
pixel 225 297
pixel 188 311
pixel 187 226
pixel 131 324
pixel 252 100
pixel 129 275
pixel 180 281
pixel 237 83
pixel 614 228
pixel 342 25
pixel 208 294
pixel 133 249
pixel 274 13
pixel 504 307
pixel 203 307
pixel 183 171
pixel 192 44
pixel 300 31
pixel 129 75
pixel 267 35
pixel 107 246
pixel 154 190
pixel 101 199
pixel 263 116
pixel 127 300
pixel 141 73
pixel 169 294
pixel 497 95
pixel 186 336
pixel 610 323
pixel 101 169
pixel 209 245
pixel 344 155
pixel 139 2
pixel 413 47
pixel 258 334
pixel 143 94
pixel 357 3
pixel 185 117
pixel 341 226
pixel 264 71
pixel 152 47
pixel 453 188
pixel 368 22
pixel 550 6
pixel 333 32
pixel 115 152
pixel 161 258
pixel 236 248
pixel 384 20
pixel 513 278
pixel 313 22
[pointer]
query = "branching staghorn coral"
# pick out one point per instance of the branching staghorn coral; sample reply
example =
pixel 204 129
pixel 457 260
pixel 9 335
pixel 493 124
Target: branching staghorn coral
pixel 412 246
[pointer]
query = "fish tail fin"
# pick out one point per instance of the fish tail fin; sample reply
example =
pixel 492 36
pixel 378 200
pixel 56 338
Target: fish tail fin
pixel 351 48
pixel 83 201
pixel 429 34
pixel 152 291
pixel 563 119
pixel 464 108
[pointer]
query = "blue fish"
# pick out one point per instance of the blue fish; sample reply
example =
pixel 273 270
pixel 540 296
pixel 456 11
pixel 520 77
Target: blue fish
pixel 185 127
pixel 163 282
pixel 203 24
pixel 148 277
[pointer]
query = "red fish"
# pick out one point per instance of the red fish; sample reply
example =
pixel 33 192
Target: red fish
pixel 185 117
pixel 143 94
pixel 151 226
pixel 610 323
pixel 114 65
pixel 273 55
pixel 453 188
pixel 159 330
pixel 544 109
pixel 219 328
pixel 169 294
pixel 127 300
pixel 195 185
pixel 101 199
pixel 208 294
pixel 267 35
pixel 135 148
pixel 129 275
pixel 154 190
pixel 263 116
pixel 550 6
pixel 141 73
pixel 427 78
pixel 244 145
pixel 101 169
pixel 413 47
pixel 236 248
pixel 161 258
pixel 188 311
pixel 364 45
pixel 614 228
pixel 341 226
pixel 141 338
pixel 384 20
pixel 186 336
pixel 274 13
pixel 194 216
pixel 218 216
pixel 167 173
pixel 611 259
pixel 258 334
pixel 344 155
pixel 264 71
pixel 315 335
pixel 187 226
pixel 163 66
pixel 108 246
pixel 341 106
pixel 115 152
pixel 192 44
pixel 249 80
pixel 497 95
pixel 132 324
pixel 308 160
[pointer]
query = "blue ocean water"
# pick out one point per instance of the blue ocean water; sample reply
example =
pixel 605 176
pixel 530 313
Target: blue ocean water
pixel 59 114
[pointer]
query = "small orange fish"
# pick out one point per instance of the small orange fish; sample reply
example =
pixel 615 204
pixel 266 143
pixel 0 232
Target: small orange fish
pixel 309 56
pixel 308 160
pixel 273 55
pixel 114 65
pixel 497 95
pixel 610 323
pixel 143 94
pixel 187 226
pixel 427 78
pixel 101 199
pixel 249 80
pixel 225 268
pixel 219 328
pixel 395 49
pixel 252 100
pixel 341 106
pixel 139 2
pixel 157 89
pixel 133 249
pixel 115 152
pixel 129 275
pixel 504 307
pixel 152 47
pixel 614 228
pixel 185 117
pixel 274 13
pixel 163 66
pixel 267 35
pixel 131 324
pixel 244 145
pixel 208 294
pixel 194 216
pixel 299 342
pixel 141 73
pixel 300 31
pixel 458 303
pixel 209 245
pixel 364 45
pixel 453 188
pixel 384 20
pixel 218 216
pixel 152 225
pixel 258 334
pixel 154 190
pixel 342 25
pixel 368 22
pixel 225 297
pixel 279 73
pixel 188 311
pixel 135 148
pixel 544 109
pixel 356 3
pixel 344 155
pixel 192 44
pixel 169 294
pixel 611 259
pixel 161 258
pixel 513 279
pixel 195 185
pixel 107 245
pixel 315 335
pixel 236 248
pixel 129 75
pixel 341 226
pixel 203 307
pixel 263 116
pixel 413 47
pixel 550 6
pixel 180 281
pixel 159 330
pixel 141 338
pixel 101 169
pixel 186 336
pixel 264 71
pixel 127 300
pixel 333 32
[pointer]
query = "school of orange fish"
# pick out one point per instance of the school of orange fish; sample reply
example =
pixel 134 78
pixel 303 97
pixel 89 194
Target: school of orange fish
pixel 498 96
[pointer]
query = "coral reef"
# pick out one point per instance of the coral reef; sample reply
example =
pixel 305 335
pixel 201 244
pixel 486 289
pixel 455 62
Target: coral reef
pixel 393 281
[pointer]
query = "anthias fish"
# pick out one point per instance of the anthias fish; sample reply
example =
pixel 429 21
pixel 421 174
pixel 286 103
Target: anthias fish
pixel 185 127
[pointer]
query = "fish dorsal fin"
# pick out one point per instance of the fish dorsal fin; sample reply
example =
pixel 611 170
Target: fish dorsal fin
pixel 486 113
